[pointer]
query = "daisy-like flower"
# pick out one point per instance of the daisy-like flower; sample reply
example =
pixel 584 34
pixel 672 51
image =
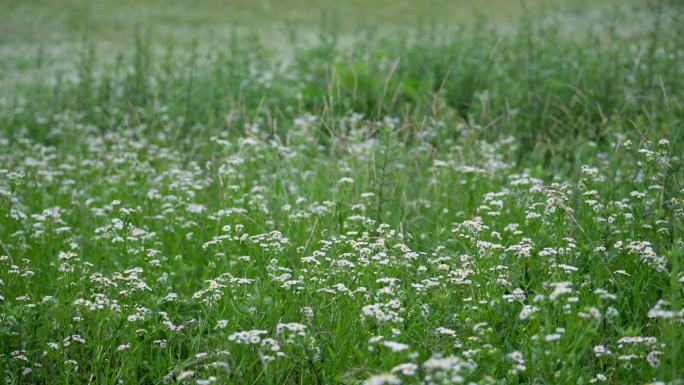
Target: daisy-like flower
pixel 383 379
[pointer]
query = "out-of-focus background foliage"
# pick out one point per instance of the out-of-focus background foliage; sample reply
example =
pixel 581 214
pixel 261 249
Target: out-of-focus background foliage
pixel 59 29
pixel 60 22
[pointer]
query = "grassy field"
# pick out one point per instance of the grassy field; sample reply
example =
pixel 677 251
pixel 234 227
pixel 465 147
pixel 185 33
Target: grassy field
pixel 58 30
pixel 351 192
pixel 67 21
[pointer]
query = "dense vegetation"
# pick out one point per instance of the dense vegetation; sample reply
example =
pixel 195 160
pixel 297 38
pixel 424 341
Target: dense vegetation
pixel 437 204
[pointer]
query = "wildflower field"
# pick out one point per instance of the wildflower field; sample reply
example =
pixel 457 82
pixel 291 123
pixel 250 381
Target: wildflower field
pixel 492 199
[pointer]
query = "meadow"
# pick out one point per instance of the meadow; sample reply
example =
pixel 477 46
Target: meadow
pixel 366 193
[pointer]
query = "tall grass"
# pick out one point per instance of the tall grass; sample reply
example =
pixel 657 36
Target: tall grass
pixel 446 204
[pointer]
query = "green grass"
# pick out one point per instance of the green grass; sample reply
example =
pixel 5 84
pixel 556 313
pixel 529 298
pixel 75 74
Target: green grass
pixel 66 21
pixel 58 29
pixel 487 201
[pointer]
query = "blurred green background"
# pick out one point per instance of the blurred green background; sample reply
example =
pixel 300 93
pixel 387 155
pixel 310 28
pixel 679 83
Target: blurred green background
pixel 66 21
pixel 57 30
